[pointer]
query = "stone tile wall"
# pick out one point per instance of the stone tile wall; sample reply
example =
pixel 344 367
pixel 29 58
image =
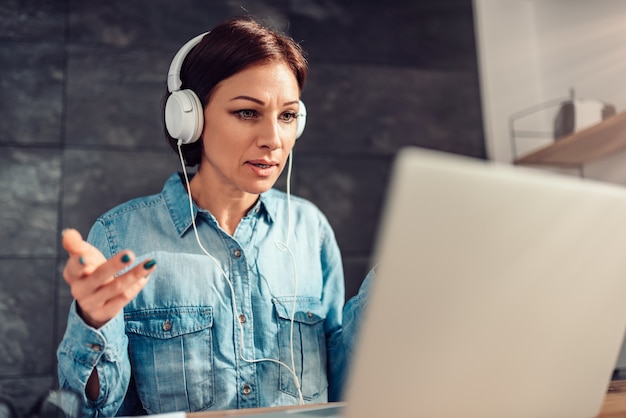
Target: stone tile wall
pixel 81 84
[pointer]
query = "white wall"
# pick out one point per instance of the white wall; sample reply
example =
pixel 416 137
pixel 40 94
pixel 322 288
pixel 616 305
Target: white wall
pixel 534 51
pixel 509 68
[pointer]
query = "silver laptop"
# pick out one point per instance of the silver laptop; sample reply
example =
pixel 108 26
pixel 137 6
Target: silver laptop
pixel 501 292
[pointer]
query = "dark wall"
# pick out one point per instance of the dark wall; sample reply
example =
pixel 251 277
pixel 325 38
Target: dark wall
pixel 80 128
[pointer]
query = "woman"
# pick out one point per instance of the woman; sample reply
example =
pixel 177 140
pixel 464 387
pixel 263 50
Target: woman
pixel 220 292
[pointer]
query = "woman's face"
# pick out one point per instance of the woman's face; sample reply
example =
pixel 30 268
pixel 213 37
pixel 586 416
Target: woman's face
pixel 249 129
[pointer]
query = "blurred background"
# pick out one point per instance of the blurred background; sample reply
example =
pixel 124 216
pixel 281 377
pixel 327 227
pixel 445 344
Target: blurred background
pixel 80 127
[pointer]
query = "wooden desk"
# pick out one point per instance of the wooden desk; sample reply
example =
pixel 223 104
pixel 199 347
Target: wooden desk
pixel 615 402
pixel 614 406
pixel 242 412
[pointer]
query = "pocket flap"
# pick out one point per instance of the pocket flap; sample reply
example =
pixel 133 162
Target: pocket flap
pixel 169 322
pixel 307 310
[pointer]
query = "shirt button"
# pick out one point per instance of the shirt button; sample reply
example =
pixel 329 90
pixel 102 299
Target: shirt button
pixel 95 347
pixel 237 253
pixel 246 389
pixel 167 326
pixel 309 314
pixel 242 319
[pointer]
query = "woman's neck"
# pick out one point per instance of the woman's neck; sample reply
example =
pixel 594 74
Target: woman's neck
pixel 227 206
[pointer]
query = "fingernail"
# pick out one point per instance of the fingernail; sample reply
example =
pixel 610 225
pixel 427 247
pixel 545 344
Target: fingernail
pixel 149 264
pixel 125 258
pixel 64 231
pixel 81 260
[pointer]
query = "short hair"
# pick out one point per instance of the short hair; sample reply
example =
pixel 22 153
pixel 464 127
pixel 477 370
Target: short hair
pixel 227 49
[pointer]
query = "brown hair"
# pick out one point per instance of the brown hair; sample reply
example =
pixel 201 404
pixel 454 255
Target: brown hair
pixel 228 48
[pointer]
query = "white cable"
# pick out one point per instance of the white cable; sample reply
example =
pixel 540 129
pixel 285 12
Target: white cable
pixel 284 246
pixel 232 288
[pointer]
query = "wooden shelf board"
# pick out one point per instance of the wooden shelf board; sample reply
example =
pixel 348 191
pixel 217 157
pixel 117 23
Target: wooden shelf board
pixel 597 141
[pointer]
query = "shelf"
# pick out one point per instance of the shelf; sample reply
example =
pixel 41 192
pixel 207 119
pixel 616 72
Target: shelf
pixel 597 141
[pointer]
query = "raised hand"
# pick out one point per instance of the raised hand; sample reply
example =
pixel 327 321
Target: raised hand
pixel 99 291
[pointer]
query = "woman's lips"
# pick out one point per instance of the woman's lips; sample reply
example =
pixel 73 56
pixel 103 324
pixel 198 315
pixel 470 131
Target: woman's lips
pixel 262 168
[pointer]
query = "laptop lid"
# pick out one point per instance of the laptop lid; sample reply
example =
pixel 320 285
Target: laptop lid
pixel 501 292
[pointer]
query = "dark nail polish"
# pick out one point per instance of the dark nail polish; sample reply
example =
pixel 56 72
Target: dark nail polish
pixel 125 258
pixel 149 264
pixel 81 260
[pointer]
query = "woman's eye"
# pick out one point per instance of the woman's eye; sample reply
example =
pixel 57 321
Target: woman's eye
pixel 288 116
pixel 246 114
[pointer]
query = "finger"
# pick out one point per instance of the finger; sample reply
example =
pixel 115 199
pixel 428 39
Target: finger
pixel 83 257
pixel 73 242
pixel 79 267
pixel 92 278
pixel 126 287
pixel 75 269
pixel 99 307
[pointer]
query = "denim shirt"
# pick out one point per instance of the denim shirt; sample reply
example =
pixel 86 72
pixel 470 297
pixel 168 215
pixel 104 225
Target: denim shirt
pixel 178 347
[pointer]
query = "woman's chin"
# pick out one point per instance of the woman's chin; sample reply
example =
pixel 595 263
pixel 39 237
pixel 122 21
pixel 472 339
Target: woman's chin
pixel 260 187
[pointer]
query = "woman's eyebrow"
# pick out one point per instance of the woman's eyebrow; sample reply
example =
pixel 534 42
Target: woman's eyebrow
pixel 261 102
pixel 252 99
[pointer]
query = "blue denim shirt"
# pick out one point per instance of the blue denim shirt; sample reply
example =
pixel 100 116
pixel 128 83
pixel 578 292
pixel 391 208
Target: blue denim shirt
pixel 177 346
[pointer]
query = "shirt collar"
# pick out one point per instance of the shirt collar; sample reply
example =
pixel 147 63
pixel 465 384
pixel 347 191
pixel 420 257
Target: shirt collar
pixel 177 201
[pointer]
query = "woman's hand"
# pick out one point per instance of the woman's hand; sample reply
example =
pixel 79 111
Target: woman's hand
pixel 100 294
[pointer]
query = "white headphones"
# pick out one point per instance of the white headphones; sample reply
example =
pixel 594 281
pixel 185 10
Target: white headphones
pixel 184 116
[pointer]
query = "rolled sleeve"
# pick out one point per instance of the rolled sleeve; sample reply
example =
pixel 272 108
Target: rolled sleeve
pixel 84 348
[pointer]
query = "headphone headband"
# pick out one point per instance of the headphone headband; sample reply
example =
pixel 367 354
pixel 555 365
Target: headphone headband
pixel 173 75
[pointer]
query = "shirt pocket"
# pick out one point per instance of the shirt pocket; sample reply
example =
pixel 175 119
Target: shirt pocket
pixel 171 354
pixel 309 346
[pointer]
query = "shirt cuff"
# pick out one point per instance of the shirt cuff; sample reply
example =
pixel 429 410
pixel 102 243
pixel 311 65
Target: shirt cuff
pixel 88 345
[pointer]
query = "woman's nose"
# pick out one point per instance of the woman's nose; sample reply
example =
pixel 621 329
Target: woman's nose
pixel 270 134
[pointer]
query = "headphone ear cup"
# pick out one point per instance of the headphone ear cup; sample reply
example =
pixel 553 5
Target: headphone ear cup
pixel 184 118
pixel 301 120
